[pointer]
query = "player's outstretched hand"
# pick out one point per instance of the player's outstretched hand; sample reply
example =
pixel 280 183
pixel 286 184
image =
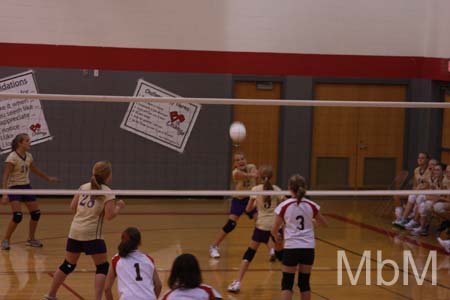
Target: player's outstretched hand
pixel 54 179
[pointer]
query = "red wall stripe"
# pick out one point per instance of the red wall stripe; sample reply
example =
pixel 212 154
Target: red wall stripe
pixel 159 60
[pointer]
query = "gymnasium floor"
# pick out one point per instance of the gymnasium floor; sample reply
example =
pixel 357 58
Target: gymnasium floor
pixel 171 227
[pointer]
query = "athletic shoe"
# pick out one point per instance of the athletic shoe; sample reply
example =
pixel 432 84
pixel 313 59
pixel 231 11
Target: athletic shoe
pixel 444 244
pixel 411 225
pixel 34 243
pixel 272 255
pixel 48 297
pixel 234 287
pixel 400 223
pixel 214 252
pixel 5 245
pixel 419 231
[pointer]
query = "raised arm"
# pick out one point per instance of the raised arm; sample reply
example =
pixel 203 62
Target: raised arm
pixel 6 173
pixel 113 208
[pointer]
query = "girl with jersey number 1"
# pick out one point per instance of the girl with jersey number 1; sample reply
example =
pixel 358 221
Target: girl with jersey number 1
pixel 297 214
pixel 85 233
pixel 135 271
pixel 19 163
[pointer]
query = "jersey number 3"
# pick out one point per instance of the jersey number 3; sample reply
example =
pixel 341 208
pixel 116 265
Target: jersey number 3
pixel 301 222
pixel 138 272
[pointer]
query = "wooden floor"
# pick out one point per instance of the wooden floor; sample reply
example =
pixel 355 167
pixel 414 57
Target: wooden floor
pixel 171 227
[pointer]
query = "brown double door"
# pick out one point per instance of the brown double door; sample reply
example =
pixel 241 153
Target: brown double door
pixel 357 147
pixel 261 122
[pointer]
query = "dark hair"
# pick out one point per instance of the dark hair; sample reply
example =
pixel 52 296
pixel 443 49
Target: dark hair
pixel 266 173
pixel 17 140
pixel 185 272
pixel 131 239
pixel 427 156
pixel 297 185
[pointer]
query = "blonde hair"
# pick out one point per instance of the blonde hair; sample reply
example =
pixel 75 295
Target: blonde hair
pixel 297 185
pixel 100 172
pixel 266 173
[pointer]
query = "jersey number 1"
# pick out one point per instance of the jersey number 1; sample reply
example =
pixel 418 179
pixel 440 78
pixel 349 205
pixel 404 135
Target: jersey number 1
pixel 138 272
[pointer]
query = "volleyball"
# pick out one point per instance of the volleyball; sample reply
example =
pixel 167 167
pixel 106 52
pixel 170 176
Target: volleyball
pixel 237 132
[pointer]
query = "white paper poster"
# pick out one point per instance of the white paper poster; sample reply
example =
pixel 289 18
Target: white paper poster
pixel 21 115
pixel 168 124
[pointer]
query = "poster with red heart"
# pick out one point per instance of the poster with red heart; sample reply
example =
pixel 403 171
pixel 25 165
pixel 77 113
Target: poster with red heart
pixel 21 115
pixel 168 124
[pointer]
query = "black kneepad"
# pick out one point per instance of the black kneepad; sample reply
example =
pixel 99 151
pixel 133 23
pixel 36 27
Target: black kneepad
pixel 102 268
pixel 229 226
pixel 67 267
pixel 288 281
pixel 17 217
pixel 303 282
pixel 35 215
pixel 249 254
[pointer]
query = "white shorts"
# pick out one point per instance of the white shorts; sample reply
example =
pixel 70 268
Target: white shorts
pixel 416 199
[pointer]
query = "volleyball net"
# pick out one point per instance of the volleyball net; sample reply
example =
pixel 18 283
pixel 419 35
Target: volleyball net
pixel 161 144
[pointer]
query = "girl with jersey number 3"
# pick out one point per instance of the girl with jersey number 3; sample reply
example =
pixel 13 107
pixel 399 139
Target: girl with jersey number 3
pixel 298 214
pixel 85 233
pixel 135 271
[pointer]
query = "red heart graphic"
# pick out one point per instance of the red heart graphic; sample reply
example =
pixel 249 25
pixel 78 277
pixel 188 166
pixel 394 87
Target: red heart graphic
pixel 175 116
pixel 35 127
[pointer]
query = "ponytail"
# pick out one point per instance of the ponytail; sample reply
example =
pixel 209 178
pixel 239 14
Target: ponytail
pixel 100 173
pixel 297 186
pixel 266 174
pixel 131 239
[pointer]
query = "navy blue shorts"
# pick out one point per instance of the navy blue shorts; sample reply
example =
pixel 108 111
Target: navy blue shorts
pixel 88 247
pixel 261 236
pixel 293 257
pixel 21 198
pixel 238 207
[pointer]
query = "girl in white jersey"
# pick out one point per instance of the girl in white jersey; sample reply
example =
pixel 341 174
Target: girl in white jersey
pixel 185 281
pixel 266 206
pixel 298 215
pixel 135 271
pixel 86 229
pixel 19 163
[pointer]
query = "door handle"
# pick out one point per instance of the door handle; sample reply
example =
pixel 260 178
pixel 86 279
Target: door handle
pixel 363 146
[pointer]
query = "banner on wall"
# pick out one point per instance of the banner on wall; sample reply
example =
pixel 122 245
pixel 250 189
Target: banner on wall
pixel 168 124
pixel 21 115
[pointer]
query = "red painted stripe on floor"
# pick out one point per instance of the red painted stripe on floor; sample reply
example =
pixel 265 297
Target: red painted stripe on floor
pixel 69 288
pixel 388 233
pixel 194 61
